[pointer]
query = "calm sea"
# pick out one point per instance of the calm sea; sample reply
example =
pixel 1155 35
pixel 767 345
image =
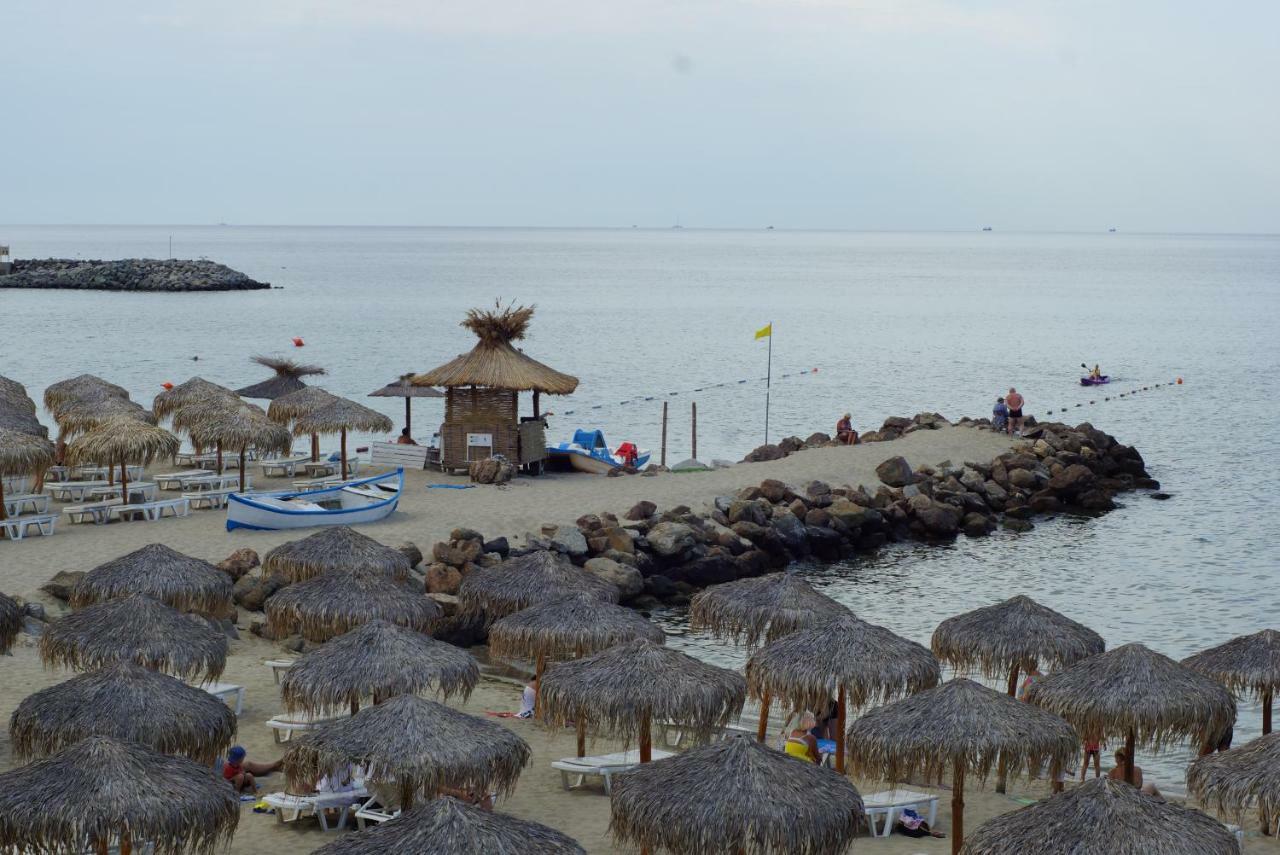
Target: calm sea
pixel 893 323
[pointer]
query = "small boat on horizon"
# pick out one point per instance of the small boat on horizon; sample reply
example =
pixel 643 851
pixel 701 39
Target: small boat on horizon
pixel 353 502
pixel 588 452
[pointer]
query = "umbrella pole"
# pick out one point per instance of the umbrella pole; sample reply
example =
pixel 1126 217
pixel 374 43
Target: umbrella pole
pixel 1266 709
pixel 219 458
pixel 124 482
pixel 840 711
pixel 646 739
pixel 126 843
pixel 100 846
pixel 355 705
pixel 344 454
pixel 537 681
pixel 407 414
pixel 957 807
pixel 763 727
pixel 242 469
pixel 315 448
pixel 3 515
pixel 582 737
pixel 406 794
pixel 1001 776
pixel 1128 757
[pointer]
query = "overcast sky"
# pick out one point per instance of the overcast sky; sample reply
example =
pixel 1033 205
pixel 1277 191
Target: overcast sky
pixel 853 114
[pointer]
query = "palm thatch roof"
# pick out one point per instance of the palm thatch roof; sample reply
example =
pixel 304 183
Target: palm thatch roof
pixel 86 795
pixel 85 386
pixel 735 796
pixel 124 701
pixel 1134 689
pixel 188 584
pixel 527 580
pixel 194 391
pixel 761 608
pixel 233 424
pixel 287 378
pixel 621 689
pixel 137 629
pixel 294 405
pixel 334 548
pixel 341 414
pixel 1240 779
pixel 86 414
pixel 404 388
pixel 1102 817
pixel 17 419
pixel 446 826
pixel 494 362
pixel 334 603
pixel 10 622
pixel 1018 632
pixel 16 393
pixel 417 743
pixel 566 628
pixel 1248 663
pixel 123 439
pixel 23 453
pixel 379 660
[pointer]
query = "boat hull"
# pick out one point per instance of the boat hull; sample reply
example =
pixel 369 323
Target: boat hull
pixel 1095 381
pixel 270 511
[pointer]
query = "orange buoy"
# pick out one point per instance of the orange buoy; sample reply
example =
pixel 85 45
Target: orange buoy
pixel 1179 381
pixel 815 371
pixel 298 342
pixel 167 385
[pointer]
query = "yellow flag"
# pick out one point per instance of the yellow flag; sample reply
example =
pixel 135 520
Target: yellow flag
pixel 765 331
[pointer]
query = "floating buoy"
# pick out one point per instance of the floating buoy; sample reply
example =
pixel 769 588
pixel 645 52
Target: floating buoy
pixel 1179 381
pixel 167 385
pixel 298 342
pixel 815 371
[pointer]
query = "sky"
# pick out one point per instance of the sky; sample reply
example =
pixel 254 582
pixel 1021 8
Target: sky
pixel 1145 115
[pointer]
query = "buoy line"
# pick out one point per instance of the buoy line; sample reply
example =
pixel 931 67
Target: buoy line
pixel 658 396
pixel 1130 393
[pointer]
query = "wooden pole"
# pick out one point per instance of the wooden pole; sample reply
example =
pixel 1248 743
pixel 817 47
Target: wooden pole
pixel 1128 757
pixel 344 454
pixel 768 385
pixel 1002 775
pixel 957 807
pixel 840 714
pixel 3 514
pixel 408 415
pixel 1266 709
pixel 355 705
pixel 315 448
pixel 663 461
pixel 242 469
pixel 695 430
pixel 537 682
pixel 762 728
pixel 406 795
pixel 536 413
pixel 124 481
pixel 582 737
pixel 126 843
pixel 1013 681
pixel 646 738
pixel 101 846
pixel 219 449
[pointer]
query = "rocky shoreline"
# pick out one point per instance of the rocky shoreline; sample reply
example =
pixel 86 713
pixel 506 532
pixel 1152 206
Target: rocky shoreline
pixel 129 274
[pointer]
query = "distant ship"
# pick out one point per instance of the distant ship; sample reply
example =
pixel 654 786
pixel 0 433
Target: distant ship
pixel 1112 229
pixel 769 228
pixel 986 228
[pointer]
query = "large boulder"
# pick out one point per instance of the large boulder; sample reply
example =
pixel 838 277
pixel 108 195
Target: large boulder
pixel 619 539
pixel 763 453
pixel 627 579
pixel 756 512
pixel 250 592
pixel 670 539
pixel 773 490
pixel 239 563
pixel 895 472
pixel 492 470
pixel 791 532
pixel 410 550
pixel 1072 481
pixel 641 510
pixel 443 579
pixel 565 538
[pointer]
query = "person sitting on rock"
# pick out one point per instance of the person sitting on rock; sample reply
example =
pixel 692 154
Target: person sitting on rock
pixel 845 434
pixel 999 415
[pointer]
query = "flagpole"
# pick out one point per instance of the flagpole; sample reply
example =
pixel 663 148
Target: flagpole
pixel 768 383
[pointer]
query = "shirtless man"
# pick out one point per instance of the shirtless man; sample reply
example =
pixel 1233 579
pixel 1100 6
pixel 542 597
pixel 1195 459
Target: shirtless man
pixel 1117 774
pixel 1014 402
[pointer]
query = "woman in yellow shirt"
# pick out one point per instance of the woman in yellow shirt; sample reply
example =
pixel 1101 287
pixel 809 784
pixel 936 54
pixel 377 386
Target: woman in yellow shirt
pixel 800 742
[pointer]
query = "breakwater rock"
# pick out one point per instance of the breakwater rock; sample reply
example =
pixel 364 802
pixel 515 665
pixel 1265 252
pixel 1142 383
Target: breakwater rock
pixel 129 274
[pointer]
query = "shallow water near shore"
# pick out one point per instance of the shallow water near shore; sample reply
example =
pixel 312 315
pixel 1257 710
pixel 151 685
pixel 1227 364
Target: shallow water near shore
pixel 895 324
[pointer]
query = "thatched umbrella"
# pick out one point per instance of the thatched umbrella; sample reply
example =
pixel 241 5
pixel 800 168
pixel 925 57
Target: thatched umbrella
pixel 404 388
pixel 288 378
pixel 14 391
pixel 846 657
pixel 528 580
pixel 1144 695
pixel 85 414
pixel 22 453
pixel 137 629
pixel 233 424
pixel 1250 663
pixel 123 441
pixel 82 386
pixel 1102 817
pixel 735 796
pixel 124 701
pixel 295 405
pixel 334 603
pixel 339 416
pixel 195 391
pixel 419 744
pixel 103 789
pixel 188 584
pixel 962 725
pixel 446 826
pixel 1247 776
pixel 18 420
pixel 334 548
pixel 379 660
pixel 761 608
pixel 622 689
pixel 10 622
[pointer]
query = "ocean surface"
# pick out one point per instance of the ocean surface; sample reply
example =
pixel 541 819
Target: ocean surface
pixel 877 324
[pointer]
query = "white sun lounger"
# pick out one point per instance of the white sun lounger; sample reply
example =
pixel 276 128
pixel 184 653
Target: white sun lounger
pixel 17 527
pixel 14 505
pixel 888 804
pixel 367 813
pixel 173 480
pixel 283 466
pixel 315 805
pixel 603 766
pixel 72 491
pixel 209 498
pixel 285 725
pixel 228 693
pixel 95 512
pixel 279 666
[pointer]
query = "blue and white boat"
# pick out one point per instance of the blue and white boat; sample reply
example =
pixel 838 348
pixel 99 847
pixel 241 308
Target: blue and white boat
pixel 350 503
pixel 588 452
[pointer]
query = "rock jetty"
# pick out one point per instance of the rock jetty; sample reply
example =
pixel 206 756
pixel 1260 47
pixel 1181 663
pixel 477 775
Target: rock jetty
pixel 129 274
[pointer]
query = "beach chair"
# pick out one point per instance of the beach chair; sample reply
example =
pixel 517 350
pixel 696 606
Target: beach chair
pixel 278 667
pixel 14 505
pixel 95 512
pixel 227 693
pixel 72 491
pixel 285 725
pixel 212 499
pixel 283 467
pixel 175 508
pixel 603 766
pixel 17 527
pixel 373 812
pixel 886 805
pixel 317 805
pixel 173 480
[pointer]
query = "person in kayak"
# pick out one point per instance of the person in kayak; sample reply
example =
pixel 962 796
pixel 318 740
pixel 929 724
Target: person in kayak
pixel 1096 373
pixel 1014 402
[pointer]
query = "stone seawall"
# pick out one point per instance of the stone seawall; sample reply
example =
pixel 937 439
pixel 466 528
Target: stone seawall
pixel 129 274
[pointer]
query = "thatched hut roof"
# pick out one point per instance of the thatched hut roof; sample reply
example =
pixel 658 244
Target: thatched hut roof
pixel 126 439
pixel 869 662
pixel 137 629
pixel 380 660
pixel 16 393
pixel 18 420
pixel 1237 780
pixel 334 603
pixel 341 414
pixel 960 720
pixel 334 548
pixel 87 414
pixel 1135 688
pixel 761 608
pixel 23 453
pixel 90 792
pixel 1102 817
pixel 10 622
pixel 1018 631
pixel 616 690
pixel 1248 663
pixel 294 405
pixel 234 424
pixel 188 584
pixel 287 378
pixel 197 390
pixel 735 796
pixel 124 701
pixel 404 388
pixel 85 386
pixel 528 580
pixel 566 628
pixel 416 742
pixel 494 362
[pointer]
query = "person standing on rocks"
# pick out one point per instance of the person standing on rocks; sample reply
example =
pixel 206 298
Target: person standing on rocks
pixel 1014 402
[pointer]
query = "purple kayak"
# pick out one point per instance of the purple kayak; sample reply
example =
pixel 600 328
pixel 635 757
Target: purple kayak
pixel 1095 381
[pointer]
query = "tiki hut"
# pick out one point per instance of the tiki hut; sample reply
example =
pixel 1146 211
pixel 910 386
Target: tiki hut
pixel 446 826
pixel 235 425
pixel 288 378
pixel 288 408
pixel 404 388
pixel 962 726
pixel 482 391
pixel 195 391
pixel 10 622
pixel 128 702
pixel 188 584
pixel 1250 663
pixel 623 689
pixel 848 659
pixel 22 454
pixel 379 660
pixel 339 416
pixel 123 441
pixel 735 796
pixel 102 791
pixel 1140 695
pixel 1102 817
pixel 334 548
pixel 416 744
pixel 335 603
pixel 761 609
pixel 137 629
pixel 1243 778
pixel 529 580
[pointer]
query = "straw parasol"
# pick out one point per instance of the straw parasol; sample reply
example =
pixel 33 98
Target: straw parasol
pixel 137 629
pixel 419 744
pixel 528 580
pixel 735 796
pixel 14 391
pixel 1102 817
pixel 294 405
pixel 123 440
pixel 335 603
pixel 22 453
pixel 1249 663
pixel 188 584
pixel 339 416
pixel 124 701
pixel 334 548
pixel 848 658
pixel 85 414
pixel 195 391
pixel 761 608
pixel 377 659
pixel 103 789
pixel 17 419
pixel 446 826
pixel 622 689
pixel 962 725
pixel 288 378
pixel 1247 776
pixel 79 388
pixel 404 388
pixel 1144 695
pixel 234 424
pixel 10 622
